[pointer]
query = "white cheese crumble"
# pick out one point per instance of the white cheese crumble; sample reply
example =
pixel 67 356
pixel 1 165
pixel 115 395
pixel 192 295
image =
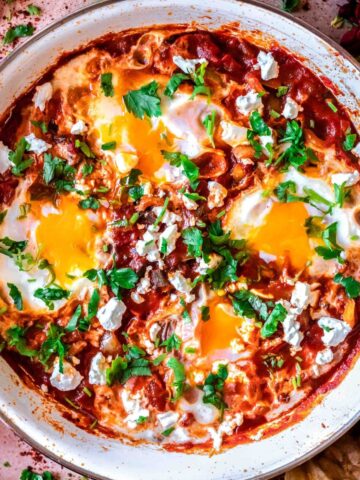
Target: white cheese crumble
pixel 66 381
pixel 147 247
pixel 249 103
pixel 226 428
pixel 42 95
pixel 97 372
pixel 291 109
pixel 110 315
pixel 324 356
pixel 301 296
pixel 167 419
pixel 233 134
pixel 188 203
pixel 356 150
pixel 37 145
pixel 335 331
pixel 171 174
pixel 182 285
pixel 300 299
pixel 169 236
pixel 133 407
pixel 269 67
pixel 153 331
pixel 78 128
pixel 188 65
pixel 349 178
pixel 4 158
pixel 267 142
pixel 217 194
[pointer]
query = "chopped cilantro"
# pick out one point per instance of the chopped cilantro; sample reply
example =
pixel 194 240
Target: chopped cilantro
pixel 349 141
pixel 174 83
pixel 271 324
pixel 84 147
pixel 331 250
pixel 283 89
pixel 172 343
pixel 209 124
pixel 205 313
pixel 42 125
pixel 89 203
pixel 213 388
pixel 192 237
pixel 30 475
pixel 16 157
pixel 168 431
pixel 258 125
pixel 16 337
pixel 73 322
pixel 188 167
pixel 59 172
pixel 33 10
pixel 108 146
pixel 53 345
pixel 179 377
pixel 87 169
pixel 50 294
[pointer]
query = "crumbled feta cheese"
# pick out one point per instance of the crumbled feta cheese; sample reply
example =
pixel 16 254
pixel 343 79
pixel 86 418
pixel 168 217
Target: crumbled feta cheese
pixel 249 103
pixel 324 357
pixel 78 128
pixel 169 236
pixel 214 262
pixel 349 178
pixel 182 285
pixel 189 204
pixel 4 158
pixel 217 194
pixel 356 150
pixel 111 314
pixel 153 331
pixel 147 188
pixel 267 142
pixel 132 406
pixel 301 296
pixel 144 284
pixel 292 333
pixel 171 174
pixel 226 428
pixel 37 145
pixel 169 218
pixel 335 331
pixel 42 95
pixel 291 109
pixel 268 65
pixel 147 247
pixel 167 419
pixel 188 65
pixel 97 372
pixel 136 297
pixel 233 134
pixel 66 381
pixel 124 161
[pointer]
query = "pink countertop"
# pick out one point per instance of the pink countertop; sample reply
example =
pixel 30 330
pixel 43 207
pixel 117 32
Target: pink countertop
pixel 16 455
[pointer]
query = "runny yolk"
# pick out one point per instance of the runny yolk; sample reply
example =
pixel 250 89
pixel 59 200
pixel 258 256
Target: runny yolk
pixel 66 239
pixel 217 332
pixel 283 234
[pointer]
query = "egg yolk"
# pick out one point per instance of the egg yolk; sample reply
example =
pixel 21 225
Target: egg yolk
pixel 217 332
pixel 66 239
pixel 283 234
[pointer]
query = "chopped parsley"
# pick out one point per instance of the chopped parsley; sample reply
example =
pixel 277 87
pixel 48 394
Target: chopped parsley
pixel 133 364
pixel 174 83
pixel 352 286
pixel 53 345
pixel 89 203
pixel 172 343
pixel 188 167
pixel 50 294
pixel 199 79
pixel 106 84
pixel 193 239
pixel 349 141
pixel 17 158
pixel 209 124
pixel 168 431
pixel 33 10
pixel 84 148
pixel 297 154
pixel 144 102
pixel 16 337
pixel 331 250
pixel 282 90
pixel 271 324
pixel 179 377
pixel 16 296
pixel 213 389
pixel 42 125
pixel 17 32
pixel 205 313
pixel 116 278
pixel 30 475
pixel 108 146
pixel 59 172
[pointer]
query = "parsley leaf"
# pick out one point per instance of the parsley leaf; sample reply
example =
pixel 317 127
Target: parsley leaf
pixel 93 305
pixel 15 294
pixel 285 190
pixel 192 237
pixel 179 377
pixel 30 475
pixel 213 388
pixel 108 146
pixel 106 84
pixel 10 247
pixel 144 101
pixel 50 294
pixel 117 278
pixel 297 153
pixel 282 90
pixel 332 250
pixel 172 343
pixel 84 147
pixel 89 203
pixel 18 32
pixel 352 286
pixel 16 338
pixel 271 324
pixel 34 10
pixel 349 141
pixel 16 157
pixel 258 125
pixel 73 322
pixel 57 170
pixel 188 167
pixel 121 369
pixel 42 125
pixel 247 304
pixel 209 124
pixel 174 83
pixel 53 345
pixel 205 313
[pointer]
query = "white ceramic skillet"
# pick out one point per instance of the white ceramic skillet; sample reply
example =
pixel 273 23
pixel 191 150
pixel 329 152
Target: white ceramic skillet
pixel 102 458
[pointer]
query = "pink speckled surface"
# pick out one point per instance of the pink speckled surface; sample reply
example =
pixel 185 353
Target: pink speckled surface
pixel 16 455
